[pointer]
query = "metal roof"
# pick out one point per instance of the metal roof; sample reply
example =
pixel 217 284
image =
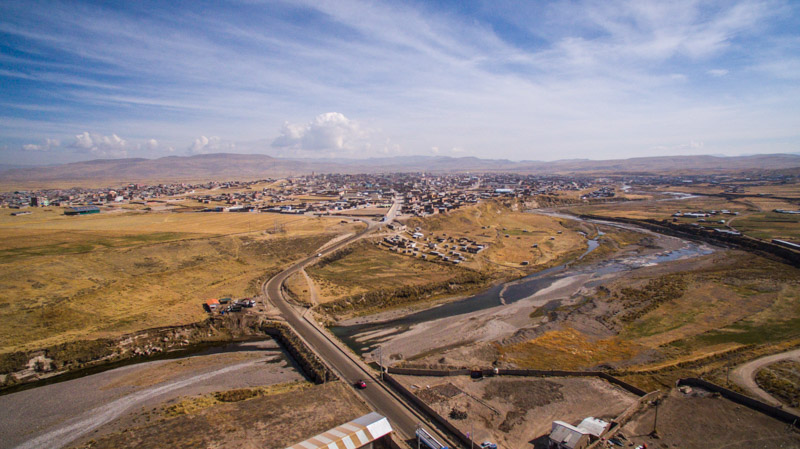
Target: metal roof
pixel 593 426
pixel 566 434
pixel 352 435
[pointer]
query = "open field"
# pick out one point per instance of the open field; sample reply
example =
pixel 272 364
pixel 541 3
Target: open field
pixel 699 420
pixel 514 411
pixel 71 278
pixel 269 420
pixel 363 267
pixel 674 321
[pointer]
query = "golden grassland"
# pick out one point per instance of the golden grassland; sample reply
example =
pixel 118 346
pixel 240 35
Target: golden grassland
pixel 72 278
pixel 298 288
pixel 568 349
pixel 193 404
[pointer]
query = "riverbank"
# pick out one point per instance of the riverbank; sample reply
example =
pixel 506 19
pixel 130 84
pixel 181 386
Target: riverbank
pixel 465 328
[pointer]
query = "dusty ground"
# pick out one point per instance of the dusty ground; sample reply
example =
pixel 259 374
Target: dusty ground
pixel 264 422
pixel 707 422
pixel 54 415
pixel 513 411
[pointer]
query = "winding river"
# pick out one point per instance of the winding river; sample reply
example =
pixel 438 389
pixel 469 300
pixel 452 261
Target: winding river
pixel 366 335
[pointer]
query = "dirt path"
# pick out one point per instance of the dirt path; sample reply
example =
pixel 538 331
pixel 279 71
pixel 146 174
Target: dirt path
pixel 745 376
pixel 312 288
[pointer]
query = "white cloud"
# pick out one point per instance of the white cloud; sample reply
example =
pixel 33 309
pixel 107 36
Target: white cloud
pixel 717 72
pixel 100 145
pixel 46 146
pixel 329 131
pixel 213 144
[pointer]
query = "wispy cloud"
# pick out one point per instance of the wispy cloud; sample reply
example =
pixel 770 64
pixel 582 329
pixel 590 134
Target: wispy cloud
pixel 537 80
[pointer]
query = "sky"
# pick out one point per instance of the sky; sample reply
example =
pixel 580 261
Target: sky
pixel 535 80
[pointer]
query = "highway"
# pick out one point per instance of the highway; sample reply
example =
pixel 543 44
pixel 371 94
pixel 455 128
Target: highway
pixel 403 418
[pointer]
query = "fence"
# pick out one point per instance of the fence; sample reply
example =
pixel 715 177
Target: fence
pixel 747 401
pixel 520 372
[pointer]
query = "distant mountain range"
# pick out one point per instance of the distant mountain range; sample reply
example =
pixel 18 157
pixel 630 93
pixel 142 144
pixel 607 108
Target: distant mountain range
pixel 226 166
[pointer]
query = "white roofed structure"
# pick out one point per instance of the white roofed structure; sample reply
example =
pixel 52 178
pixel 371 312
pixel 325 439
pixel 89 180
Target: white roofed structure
pixel 358 433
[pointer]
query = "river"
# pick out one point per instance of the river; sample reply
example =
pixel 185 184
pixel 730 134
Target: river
pixel 366 336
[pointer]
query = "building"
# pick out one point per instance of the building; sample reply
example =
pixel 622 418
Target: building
pixel 566 436
pixel 371 431
pixel 81 210
pixel 211 305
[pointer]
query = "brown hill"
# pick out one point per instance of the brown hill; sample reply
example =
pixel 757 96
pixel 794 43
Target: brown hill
pixel 226 166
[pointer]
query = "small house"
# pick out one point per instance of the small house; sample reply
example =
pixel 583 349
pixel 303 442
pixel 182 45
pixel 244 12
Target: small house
pixel 211 305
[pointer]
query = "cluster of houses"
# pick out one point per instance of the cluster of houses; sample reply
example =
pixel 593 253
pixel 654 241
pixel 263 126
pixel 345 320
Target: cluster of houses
pixel 602 192
pixel 227 305
pixel 454 250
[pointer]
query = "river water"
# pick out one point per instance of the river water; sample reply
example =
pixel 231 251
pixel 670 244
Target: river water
pixel 365 336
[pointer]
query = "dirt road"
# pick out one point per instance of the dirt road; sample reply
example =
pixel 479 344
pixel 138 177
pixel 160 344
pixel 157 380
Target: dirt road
pixel 745 376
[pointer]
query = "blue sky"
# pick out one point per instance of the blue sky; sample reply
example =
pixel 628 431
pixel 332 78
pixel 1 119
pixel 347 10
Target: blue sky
pixel 540 80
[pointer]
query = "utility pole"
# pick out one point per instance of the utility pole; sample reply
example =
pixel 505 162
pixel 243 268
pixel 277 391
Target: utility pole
pixel 654 433
pixel 380 359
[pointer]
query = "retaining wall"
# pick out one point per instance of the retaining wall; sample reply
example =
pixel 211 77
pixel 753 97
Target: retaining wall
pixel 314 368
pixel 439 419
pixel 747 401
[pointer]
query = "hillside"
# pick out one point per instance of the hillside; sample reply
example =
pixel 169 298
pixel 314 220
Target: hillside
pixel 254 166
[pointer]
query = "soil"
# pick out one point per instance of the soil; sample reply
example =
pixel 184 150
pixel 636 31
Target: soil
pixel 702 420
pixel 264 422
pixel 514 411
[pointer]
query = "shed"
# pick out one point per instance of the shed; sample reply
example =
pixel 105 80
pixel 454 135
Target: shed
pixel 369 431
pixel 84 210
pixel 593 426
pixel 211 304
pixel 566 436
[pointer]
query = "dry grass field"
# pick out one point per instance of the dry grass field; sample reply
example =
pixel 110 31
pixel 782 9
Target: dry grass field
pixel 70 278
pixel 256 418
pixel 369 268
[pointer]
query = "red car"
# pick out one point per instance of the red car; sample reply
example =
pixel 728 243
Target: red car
pixel 361 385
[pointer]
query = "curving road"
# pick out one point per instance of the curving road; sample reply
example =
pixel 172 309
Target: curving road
pixel 403 417
pixel 745 376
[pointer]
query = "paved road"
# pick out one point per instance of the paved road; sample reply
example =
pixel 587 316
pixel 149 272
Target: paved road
pixel 745 376
pixel 403 418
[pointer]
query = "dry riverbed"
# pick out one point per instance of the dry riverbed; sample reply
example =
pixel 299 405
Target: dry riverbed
pixel 54 415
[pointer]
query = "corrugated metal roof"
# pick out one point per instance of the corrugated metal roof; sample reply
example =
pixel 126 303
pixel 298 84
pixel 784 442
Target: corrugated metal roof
pixel 593 426
pixel 352 435
pixel 566 434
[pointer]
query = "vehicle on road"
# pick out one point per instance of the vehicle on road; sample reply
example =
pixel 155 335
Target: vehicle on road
pixel 361 384
pixel 319 254
pixel 488 445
